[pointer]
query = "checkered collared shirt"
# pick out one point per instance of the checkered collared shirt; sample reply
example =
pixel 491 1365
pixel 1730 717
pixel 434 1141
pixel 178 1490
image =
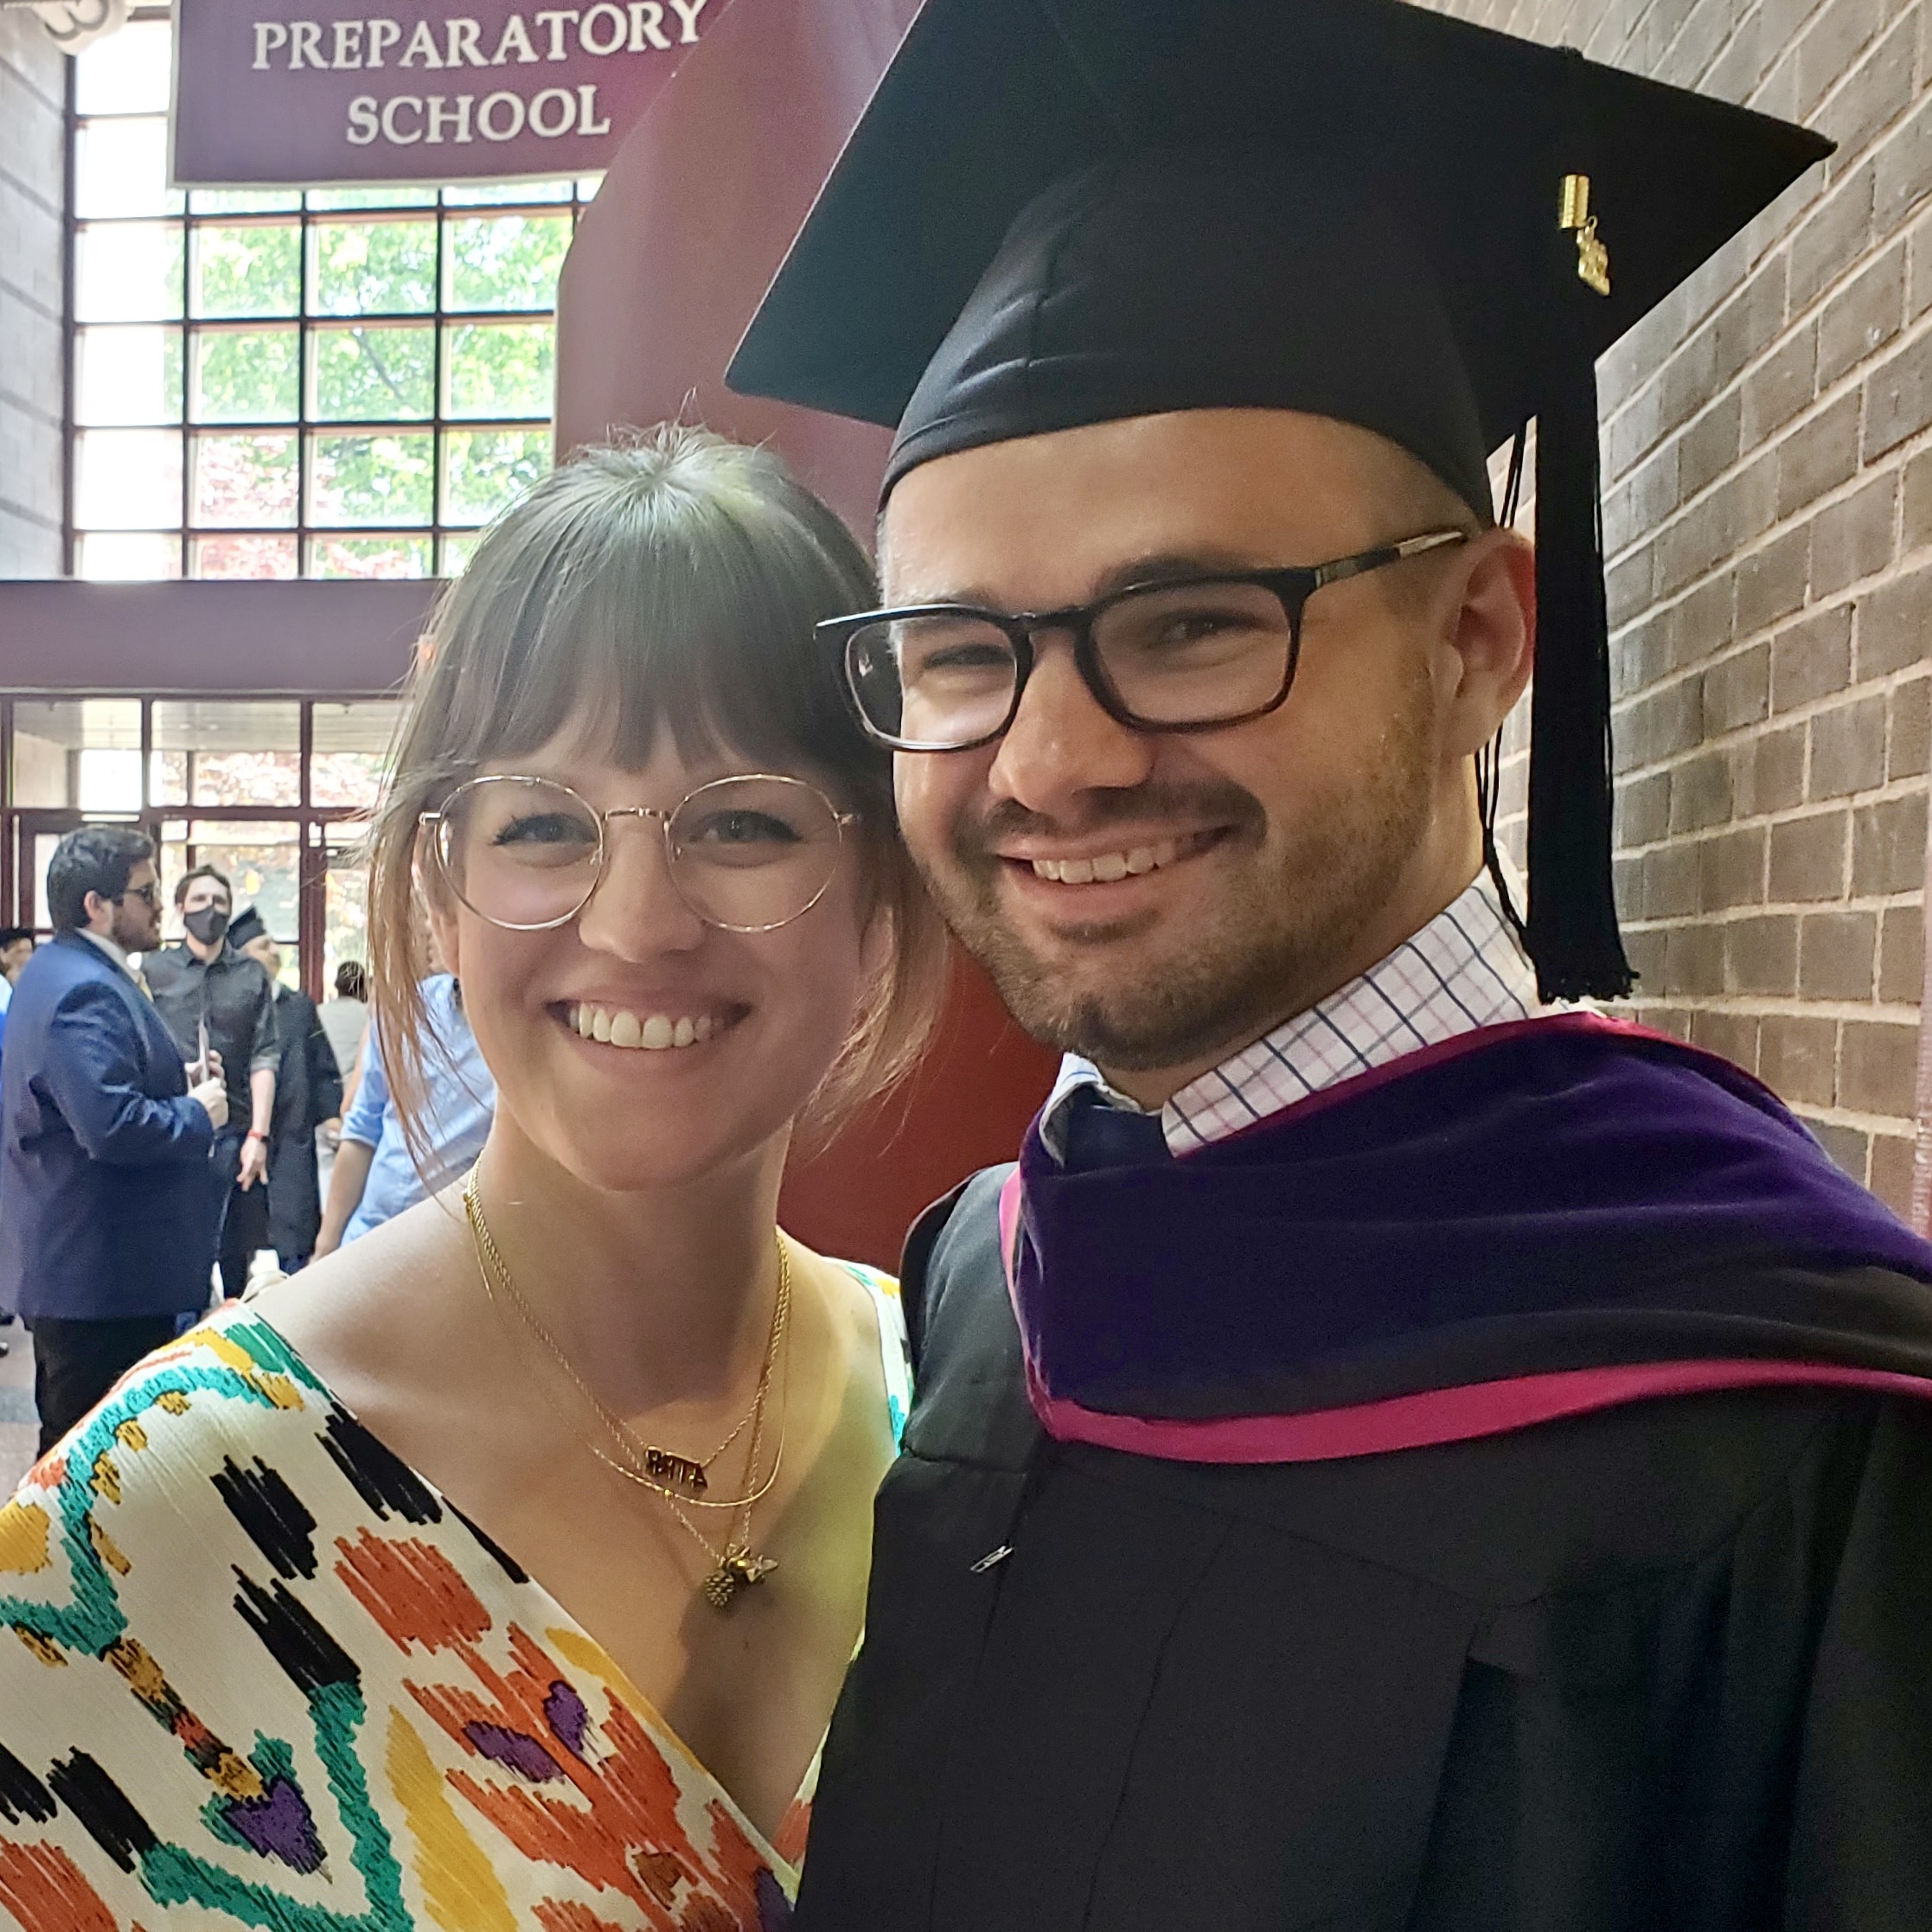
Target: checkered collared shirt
pixel 1463 970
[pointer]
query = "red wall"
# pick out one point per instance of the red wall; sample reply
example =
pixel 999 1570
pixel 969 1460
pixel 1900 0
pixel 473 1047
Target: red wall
pixel 965 1108
pixel 666 267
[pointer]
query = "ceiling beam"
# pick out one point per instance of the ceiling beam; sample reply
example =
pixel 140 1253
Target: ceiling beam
pixel 311 637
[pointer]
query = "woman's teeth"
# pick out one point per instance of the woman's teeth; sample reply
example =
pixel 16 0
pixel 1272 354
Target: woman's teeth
pixel 654 1032
pixel 1110 866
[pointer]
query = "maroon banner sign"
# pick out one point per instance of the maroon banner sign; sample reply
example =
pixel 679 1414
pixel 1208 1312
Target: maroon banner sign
pixel 321 92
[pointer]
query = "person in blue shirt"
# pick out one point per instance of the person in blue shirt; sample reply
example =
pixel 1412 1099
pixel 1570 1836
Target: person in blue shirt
pixel 376 1176
pixel 107 1219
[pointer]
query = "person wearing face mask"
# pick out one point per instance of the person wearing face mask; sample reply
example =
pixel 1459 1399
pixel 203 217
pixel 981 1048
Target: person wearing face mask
pixel 215 999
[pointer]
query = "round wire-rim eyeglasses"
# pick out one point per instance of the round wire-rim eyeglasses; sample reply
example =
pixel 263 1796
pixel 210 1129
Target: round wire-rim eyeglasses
pixel 439 824
pixel 1294 585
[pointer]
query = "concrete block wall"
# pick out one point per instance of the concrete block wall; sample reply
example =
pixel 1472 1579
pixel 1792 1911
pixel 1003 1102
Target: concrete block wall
pixel 1768 525
pixel 33 173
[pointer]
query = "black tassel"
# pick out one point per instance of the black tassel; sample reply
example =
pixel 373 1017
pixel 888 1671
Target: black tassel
pixel 1573 938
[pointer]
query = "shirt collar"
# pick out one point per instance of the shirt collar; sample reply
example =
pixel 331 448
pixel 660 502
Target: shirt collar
pixel 1463 970
pixel 113 949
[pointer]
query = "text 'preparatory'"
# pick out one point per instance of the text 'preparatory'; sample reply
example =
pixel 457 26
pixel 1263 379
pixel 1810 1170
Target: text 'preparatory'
pixel 343 94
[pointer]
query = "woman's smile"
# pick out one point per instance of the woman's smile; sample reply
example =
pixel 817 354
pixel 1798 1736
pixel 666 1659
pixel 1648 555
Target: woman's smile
pixel 651 1026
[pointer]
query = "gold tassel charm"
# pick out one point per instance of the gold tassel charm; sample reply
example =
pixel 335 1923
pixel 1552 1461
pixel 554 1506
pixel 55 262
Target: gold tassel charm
pixel 1593 259
pixel 737 1570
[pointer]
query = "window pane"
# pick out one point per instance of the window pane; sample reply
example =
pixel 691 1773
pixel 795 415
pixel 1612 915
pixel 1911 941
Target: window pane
pixel 127 274
pixel 246 375
pixel 331 199
pixel 587 186
pixel 497 368
pixel 127 375
pixel 242 752
pixel 345 924
pixel 383 556
pixel 457 552
pixel 369 268
pixel 247 557
pixel 126 74
pixel 128 556
pixel 484 193
pixel 127 479
pixel 245 480
pixel 352 743
pixel 255 271
pixel 373 375
pixel 508 263
pixel 484 469
pixel 68 752
pixel 244 201
pixel 121 168
pixel 371 479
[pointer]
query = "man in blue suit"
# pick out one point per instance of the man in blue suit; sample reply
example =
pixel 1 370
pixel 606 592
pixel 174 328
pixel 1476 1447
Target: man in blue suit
pixel 106 1218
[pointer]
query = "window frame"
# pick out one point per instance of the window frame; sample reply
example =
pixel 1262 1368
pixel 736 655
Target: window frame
pixel 442 536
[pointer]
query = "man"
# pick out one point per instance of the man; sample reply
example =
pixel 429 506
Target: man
pixel 1391 1455
pixel 107 1225
pixel 17 948
pixel 308 1092
pixel 376 1175
pixel 209 994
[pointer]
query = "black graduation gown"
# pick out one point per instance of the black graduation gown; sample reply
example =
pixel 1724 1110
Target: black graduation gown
pixel 308 1090
pixel 1664 1665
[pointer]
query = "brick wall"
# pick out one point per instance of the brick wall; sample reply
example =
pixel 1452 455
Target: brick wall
pixel 1768 525
pixel 32 83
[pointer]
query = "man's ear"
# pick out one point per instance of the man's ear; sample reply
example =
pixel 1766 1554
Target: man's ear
pixel 1491 636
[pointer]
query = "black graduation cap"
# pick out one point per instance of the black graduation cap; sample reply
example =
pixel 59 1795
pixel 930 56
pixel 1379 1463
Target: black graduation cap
pixel 1066 211
pixel 247 925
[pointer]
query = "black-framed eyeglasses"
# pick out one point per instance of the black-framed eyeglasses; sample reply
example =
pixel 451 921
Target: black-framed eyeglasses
pixel 747 853
pixel 1184 655
pixel 149 894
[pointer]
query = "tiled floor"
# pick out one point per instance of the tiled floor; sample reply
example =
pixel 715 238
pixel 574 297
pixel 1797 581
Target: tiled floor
pixel 19 1426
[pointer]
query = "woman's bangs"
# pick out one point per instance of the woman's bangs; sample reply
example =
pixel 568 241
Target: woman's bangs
pixel 700 638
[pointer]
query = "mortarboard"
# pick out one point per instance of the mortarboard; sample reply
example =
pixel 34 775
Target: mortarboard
pixel 247 925
pixel 1055 212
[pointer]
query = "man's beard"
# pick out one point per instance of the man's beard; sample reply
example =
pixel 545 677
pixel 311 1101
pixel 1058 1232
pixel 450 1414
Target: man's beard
pixel 1277 942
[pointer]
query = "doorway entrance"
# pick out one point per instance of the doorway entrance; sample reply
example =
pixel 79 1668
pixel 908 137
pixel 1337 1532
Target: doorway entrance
pixel 276 793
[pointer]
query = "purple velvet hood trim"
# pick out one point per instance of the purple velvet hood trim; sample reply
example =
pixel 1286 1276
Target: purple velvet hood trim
pixel 1566 1192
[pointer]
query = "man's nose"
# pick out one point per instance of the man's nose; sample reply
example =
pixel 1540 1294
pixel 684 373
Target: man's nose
pixel 1062 743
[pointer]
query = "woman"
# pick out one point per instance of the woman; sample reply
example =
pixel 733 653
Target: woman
pixel 501 1570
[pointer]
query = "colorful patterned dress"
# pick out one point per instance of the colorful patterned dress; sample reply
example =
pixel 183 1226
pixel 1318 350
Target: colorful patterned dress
pixel 255 1672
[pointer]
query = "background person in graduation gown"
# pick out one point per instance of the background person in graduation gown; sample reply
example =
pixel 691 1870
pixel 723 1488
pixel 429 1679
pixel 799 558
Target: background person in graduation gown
pixel 308 1092
pixel 1436 1462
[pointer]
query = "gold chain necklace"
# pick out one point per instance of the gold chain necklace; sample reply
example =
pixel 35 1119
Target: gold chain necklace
pixel 644 1462
pixel 736 1567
